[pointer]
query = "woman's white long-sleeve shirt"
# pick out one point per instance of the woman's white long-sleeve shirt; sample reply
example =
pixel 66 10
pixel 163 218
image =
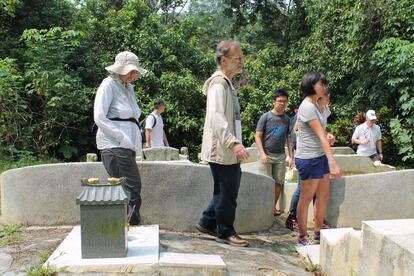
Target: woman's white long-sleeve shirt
pixel 116 99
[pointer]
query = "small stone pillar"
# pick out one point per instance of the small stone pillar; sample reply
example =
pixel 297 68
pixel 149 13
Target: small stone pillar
pixel 103 219
pixel 91 157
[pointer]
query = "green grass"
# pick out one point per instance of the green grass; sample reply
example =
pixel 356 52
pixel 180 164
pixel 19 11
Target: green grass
pixel 290 250
pixel 6 236
pixel 9 229
pixel 40 270
pixel 316 269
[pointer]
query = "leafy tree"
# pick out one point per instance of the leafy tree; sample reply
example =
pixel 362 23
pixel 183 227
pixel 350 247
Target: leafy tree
pixel 60 103
pixel 393 59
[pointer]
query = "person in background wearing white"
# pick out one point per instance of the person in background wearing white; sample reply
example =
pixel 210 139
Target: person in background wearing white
pixel 118 138
pixel 368 138
pixel 154 127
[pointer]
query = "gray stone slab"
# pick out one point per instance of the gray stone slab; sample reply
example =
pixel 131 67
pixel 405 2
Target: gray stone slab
pixel 161 153
pixel 142 256
pixel 5 262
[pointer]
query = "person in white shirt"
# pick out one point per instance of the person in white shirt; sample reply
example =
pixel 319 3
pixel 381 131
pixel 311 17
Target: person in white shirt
pixel 154 127
pixel 118 138
pixel 368 138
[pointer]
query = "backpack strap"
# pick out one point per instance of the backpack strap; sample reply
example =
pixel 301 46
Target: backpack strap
pixel 155 120
pixel 266 118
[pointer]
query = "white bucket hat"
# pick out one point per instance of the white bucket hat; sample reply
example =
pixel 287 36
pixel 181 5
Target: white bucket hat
pixel 371 115
pixel 126 62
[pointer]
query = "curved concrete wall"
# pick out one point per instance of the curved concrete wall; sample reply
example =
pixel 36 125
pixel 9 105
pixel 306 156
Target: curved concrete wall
pixel 373 196
pixel 174 195
pixel 359 164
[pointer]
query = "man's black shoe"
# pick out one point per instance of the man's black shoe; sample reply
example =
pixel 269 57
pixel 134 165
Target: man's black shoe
pixel 205 230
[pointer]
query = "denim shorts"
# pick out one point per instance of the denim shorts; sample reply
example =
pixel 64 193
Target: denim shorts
pixel 313 168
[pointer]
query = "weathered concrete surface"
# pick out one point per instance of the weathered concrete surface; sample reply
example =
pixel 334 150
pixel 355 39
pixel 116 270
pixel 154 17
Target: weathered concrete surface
pixel 376 196
pixel 387 248
pixel 253 154
pixel 339 251
pixel 270 252
pixel 174 195
pixel 342 150
pixel 359 164
pixel 161 154
pixel 361 197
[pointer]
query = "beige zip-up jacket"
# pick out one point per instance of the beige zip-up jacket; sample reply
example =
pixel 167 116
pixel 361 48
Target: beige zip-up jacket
pixel 219 134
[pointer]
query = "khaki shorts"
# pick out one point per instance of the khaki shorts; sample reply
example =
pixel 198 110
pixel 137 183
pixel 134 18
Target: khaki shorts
pixel 276 167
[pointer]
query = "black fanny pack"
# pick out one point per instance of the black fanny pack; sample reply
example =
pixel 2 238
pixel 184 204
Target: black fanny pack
pixel 128 119
pixel 94 127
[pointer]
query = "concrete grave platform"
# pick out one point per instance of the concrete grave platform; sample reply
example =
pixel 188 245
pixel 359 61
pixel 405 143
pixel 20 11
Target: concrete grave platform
pixel 383 247
pixel 357 198
pixel 143 253
pixel 387 248
pixel 143 257
pixel 339 251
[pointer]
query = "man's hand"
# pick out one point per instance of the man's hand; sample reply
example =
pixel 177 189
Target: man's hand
pixel 381 156
pixel 240 151
pixel 263 159
pixel 363 141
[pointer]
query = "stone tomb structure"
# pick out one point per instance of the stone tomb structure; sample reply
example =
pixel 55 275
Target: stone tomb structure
pixel 174 195
pixel 382 247
pixel 365 192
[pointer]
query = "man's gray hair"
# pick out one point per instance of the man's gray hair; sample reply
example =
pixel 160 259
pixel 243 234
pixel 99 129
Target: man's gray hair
pixel 223 49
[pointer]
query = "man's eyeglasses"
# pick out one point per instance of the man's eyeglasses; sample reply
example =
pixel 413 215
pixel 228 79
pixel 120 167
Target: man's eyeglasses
pixel 236 58
pixel 281 101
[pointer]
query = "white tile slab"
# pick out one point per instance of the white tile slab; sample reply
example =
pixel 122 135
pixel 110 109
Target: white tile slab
pixel 143 253
pixel 309 251
pixel 191 260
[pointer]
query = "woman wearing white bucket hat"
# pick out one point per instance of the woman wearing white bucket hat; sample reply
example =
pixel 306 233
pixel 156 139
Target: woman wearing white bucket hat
pixel 116 114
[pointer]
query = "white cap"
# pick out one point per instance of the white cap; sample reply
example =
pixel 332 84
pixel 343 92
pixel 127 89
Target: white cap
pixel 371 115
pixel 126 62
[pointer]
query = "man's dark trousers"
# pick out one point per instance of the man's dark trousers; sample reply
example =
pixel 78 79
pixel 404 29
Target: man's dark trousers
pixel 221 210
pixel 120 162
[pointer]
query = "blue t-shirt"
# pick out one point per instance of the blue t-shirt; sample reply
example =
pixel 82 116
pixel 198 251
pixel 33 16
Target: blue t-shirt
pixel 275 129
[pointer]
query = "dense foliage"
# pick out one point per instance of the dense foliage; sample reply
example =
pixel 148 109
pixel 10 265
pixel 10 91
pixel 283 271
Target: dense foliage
pixel 53 54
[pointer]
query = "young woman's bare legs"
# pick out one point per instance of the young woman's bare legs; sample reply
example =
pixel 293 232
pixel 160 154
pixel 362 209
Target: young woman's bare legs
pixel 308 190
pixel 322 197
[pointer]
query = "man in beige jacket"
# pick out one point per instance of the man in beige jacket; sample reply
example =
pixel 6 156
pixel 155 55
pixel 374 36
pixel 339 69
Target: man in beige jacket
pixel 222 145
